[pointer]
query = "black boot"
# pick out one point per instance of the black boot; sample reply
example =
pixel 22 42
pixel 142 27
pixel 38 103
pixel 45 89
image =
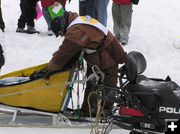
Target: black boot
pixel 31 30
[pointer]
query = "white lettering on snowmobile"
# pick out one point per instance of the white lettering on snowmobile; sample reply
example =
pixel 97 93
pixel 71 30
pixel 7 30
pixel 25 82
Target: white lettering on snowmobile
pixel 169 110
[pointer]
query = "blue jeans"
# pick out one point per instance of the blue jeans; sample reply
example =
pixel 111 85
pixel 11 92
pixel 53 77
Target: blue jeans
pixel 47 17
pixel 98 10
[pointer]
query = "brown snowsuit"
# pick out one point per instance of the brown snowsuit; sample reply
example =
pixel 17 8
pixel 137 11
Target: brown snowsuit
pixel 107 58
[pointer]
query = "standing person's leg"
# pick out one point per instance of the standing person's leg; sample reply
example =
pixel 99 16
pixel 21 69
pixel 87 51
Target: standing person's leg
pixel 116 15
pixel 126 17
pixel 2 60
pixel 31 13
pixel 2 25
pixel 22 18
pixel 92 101
pixel 90 8
pixel 82 7
pixel 110 80
pixel 48 19
pixel 102 11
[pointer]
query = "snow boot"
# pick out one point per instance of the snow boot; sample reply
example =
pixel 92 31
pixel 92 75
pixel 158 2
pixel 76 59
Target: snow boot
pixel 124 42
pixel 50 33
pixel 20 30
pixel 31 30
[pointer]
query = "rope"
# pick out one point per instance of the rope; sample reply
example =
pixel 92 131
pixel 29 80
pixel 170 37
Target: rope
pixel 95 126
pixel 78 97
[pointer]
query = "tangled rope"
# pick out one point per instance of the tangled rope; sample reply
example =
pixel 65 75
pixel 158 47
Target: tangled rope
pixel 95 128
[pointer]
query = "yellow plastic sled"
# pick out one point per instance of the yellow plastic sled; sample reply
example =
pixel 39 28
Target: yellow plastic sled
pixel 36 94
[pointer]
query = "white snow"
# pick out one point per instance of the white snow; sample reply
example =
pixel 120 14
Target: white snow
pixel 52 131
pixel 155 29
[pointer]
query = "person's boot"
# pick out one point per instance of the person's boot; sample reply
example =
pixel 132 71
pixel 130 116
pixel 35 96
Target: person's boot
pixel 20 30
pixel 50 33
pixel 31 30
pixel 124 42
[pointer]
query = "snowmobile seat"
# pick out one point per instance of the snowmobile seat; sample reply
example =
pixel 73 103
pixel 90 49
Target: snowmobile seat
pixel 152 92
pixel 144 84
pixel 135 65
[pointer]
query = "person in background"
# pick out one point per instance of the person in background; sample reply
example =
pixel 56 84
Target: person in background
pixel 95 8
pixel 28 13
pixel 122 15
pixel 101 49
pixel 82 7
pixel 45 4
pixel 2 60
pixel 2 25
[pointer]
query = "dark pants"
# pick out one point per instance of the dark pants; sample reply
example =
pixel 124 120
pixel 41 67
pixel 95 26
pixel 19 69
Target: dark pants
pixel 28 13
pixel 82 7
pixel 2 25
pixel 97 9
pixel 109 80
pixel 2 61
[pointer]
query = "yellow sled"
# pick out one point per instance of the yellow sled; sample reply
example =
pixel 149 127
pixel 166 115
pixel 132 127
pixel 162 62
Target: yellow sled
pixel 39 94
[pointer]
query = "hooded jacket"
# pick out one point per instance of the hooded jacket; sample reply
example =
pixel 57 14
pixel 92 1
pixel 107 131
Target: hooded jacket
pixel 81 36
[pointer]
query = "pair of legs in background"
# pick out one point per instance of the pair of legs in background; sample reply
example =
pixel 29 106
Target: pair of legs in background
pixel 48 19
pixel 95 8
pixel 122 16
pixel 28 14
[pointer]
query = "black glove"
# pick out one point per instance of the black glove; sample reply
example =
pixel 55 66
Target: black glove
pixel 38 74
pixel 47 74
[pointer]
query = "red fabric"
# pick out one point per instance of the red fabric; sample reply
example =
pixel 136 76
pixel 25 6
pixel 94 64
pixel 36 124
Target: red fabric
pixel 130 112
pixel 123 2
pixel 47 3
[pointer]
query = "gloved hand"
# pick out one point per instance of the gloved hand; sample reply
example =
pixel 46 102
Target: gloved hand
pixel 47 74
pixel 44 73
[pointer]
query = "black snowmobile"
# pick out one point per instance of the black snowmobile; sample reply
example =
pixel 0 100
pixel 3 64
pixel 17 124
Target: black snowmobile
pixel 144 103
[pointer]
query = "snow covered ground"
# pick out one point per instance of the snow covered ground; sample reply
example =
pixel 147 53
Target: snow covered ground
pixel 155 27
pixel 52 131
